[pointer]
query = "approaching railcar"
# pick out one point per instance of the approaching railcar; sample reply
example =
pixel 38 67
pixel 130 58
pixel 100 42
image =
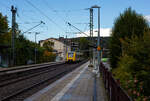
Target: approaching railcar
pixel 73 56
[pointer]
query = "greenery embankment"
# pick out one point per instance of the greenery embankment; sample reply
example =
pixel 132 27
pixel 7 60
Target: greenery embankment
pixel 130 54
pixel 24 48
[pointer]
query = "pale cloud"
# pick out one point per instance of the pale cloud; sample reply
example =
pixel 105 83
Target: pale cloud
pixel 147 17
pixel 104 32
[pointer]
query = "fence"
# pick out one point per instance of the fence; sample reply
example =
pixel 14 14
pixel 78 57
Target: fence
pixel 115 92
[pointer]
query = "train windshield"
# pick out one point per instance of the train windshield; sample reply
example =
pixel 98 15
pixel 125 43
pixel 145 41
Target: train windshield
pixel 70 54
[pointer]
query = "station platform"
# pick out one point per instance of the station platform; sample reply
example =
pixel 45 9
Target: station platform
pixel 78 85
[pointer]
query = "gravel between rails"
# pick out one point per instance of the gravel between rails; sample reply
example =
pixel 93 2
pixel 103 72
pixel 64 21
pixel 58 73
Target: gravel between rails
pixel 10 74
pixel 17 91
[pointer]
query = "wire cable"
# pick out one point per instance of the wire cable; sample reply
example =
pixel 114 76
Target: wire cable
pixel 42 13
pixel 46 3
pixel 56 11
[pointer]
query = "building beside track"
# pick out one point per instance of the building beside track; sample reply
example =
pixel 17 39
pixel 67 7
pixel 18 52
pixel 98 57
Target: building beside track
pixel 59 47
pixel 62 45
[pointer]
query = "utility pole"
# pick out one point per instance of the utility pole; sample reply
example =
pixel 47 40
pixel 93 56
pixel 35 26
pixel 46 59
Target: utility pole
pixel 66 47
pixel 91 32
pixel 91 23
pixel 66 44
pixel 13 10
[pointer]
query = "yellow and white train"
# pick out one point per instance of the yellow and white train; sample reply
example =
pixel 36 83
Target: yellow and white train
pixel 73 56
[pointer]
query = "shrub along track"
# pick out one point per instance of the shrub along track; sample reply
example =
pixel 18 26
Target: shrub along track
pixel 24 83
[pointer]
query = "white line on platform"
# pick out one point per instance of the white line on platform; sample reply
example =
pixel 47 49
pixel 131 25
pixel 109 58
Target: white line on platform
pixel 66 88
pixel 36 95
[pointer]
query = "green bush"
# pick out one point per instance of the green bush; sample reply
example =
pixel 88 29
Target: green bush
pixel 133 68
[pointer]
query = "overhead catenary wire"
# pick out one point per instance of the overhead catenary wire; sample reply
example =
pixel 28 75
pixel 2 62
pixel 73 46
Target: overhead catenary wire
pixel 27 22
pixel 86 27
pixel 50 18
pixel 34 27
pixel 77 29
pixel 56 11
pixel 46 3
pixel 42 13
pixel 33 11
pixel 73 10
pixel 51 9
pixel 20 16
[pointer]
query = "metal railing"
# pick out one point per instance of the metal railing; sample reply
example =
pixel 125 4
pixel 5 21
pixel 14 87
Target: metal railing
pixel 112 86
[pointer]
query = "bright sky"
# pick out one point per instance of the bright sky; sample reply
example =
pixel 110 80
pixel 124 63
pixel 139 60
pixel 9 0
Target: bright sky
pixel 55 14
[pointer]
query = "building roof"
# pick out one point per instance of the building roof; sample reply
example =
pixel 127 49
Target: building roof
pixel 61 40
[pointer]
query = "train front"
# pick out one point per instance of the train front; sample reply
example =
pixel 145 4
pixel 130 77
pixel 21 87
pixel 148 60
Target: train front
pixel 71 57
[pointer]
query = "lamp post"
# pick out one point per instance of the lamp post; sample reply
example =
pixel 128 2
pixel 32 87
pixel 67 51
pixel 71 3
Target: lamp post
pixel 36 33
pixel 98 39
pixel 35 47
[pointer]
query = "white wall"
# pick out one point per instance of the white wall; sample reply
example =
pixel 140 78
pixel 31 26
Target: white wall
pixel 59 46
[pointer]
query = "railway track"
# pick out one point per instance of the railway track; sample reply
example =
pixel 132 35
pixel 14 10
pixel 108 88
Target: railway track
pixel 26 67
pixel 11 75
pixel 16 82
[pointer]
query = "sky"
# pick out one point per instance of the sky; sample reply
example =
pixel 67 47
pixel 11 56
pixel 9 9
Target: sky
pixel 56 13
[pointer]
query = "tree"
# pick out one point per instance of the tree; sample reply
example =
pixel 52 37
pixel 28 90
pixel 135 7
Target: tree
pixel 4 35
pixel 134 66
pixel 84 45
pixel 3 24
pixel 24 48
pixel 48 46
pixel 49 56
pixel 126 25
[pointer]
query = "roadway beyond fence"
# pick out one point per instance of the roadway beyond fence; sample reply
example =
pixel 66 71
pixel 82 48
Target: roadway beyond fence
pixel 115 92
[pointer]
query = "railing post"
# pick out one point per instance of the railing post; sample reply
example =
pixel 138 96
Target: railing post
pixel 109 82
pixel 112 89
pixel 118 81
pixel 118 90
pixel 107 78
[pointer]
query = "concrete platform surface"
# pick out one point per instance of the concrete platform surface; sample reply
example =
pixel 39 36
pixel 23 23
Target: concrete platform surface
pixel 75 86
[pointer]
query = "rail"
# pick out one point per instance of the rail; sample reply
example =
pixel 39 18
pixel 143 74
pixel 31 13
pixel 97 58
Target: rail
pixel 28 66
pixel 16 72
pixel 112 86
